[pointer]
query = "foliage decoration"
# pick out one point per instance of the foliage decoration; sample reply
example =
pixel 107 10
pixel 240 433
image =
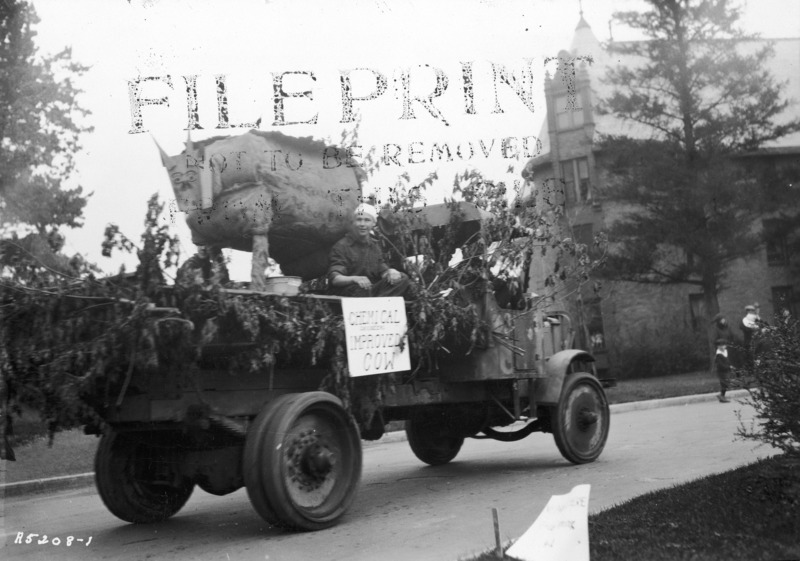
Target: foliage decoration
pixel 773 379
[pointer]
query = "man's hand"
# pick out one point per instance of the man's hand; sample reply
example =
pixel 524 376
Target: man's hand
pixel 393 276
pixel 362 282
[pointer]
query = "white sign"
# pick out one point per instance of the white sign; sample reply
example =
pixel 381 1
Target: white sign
pixel 561 531
pixel 375 329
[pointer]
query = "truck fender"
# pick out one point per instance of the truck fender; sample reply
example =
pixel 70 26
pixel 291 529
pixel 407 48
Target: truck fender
pixel 548 389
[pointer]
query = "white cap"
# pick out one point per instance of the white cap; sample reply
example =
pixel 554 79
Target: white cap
pixel 367 210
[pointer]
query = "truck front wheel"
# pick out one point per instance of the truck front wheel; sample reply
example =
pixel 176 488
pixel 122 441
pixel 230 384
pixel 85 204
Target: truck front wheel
pixel 580 421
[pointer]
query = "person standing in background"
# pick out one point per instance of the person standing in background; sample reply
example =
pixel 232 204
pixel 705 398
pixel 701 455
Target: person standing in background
pixel 722 330
pixel 749 325
pixel 722 366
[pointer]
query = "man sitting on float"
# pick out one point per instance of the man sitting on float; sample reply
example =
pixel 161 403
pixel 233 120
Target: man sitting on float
pixel 357 266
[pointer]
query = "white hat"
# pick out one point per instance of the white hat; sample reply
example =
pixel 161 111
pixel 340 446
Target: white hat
pixel 367 210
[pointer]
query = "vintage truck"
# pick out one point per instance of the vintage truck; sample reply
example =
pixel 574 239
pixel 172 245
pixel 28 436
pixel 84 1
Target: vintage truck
pixel 283 431
pixel 297 449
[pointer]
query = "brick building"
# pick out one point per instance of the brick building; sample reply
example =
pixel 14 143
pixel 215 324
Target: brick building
pixel 626 319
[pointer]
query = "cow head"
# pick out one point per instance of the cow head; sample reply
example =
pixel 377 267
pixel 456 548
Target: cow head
pixel 184 174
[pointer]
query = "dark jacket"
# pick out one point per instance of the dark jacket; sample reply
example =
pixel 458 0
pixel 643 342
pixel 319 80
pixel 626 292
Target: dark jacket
pixel 353 257
pixel 722 330
pixel 722 365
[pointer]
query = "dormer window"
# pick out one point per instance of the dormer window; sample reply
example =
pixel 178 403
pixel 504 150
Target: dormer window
pixel 575 177
pixel 568 118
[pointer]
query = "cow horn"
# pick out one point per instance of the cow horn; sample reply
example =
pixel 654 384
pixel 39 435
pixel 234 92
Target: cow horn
pixel 164 155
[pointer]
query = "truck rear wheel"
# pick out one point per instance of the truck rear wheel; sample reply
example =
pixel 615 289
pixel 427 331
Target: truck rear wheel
pixel 431 441
pixel 580 421
pixel 302 461
pixel 138 480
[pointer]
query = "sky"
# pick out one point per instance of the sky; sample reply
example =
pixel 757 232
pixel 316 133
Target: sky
pixel 250 40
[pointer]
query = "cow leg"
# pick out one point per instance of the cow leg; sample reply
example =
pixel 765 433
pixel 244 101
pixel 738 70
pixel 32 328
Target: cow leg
pixel 260 258
pixel 259 262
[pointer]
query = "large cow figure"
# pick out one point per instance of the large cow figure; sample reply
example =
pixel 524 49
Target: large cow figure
pixel 278 196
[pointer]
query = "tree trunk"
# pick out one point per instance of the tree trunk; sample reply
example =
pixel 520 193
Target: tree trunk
pixel 686 98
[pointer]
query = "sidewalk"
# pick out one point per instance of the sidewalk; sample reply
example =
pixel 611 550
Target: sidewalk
pixel 86 479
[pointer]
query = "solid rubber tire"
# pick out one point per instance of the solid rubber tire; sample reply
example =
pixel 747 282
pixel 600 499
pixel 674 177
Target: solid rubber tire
pixel 118 477
pixel 252 468
pixel 268 478
pixel 429 442
pixel 578 444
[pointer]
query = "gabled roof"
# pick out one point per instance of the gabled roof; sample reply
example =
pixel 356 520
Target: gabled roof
pixel 585 43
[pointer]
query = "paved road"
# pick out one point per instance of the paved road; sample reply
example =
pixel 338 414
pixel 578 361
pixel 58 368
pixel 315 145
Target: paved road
pixel 406 510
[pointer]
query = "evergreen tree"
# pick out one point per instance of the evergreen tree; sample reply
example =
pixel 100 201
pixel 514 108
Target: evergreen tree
pixel 702 88
pixel 40 125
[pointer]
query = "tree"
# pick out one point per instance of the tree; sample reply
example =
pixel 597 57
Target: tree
pixel 703 94
pixel 40 125
pixel 158 252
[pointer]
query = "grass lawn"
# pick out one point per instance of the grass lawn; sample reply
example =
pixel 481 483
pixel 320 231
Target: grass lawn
pixel 665 386
pixel 747 514
pixel 72 452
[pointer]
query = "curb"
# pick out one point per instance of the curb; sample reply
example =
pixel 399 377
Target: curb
pixel 86 479
pixel 48 484
pixel 673 401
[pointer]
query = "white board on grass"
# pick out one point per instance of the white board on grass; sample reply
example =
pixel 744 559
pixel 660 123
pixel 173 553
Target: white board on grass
pixel 561 531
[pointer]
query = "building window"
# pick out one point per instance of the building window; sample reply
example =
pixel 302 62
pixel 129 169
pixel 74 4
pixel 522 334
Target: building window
pixel 783 299
pixel 584 193
pixel 567 118
pixel 697 309
pixel 575 175
pixel 775 237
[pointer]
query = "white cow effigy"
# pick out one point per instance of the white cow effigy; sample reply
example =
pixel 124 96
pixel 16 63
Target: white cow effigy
pixel 274 195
